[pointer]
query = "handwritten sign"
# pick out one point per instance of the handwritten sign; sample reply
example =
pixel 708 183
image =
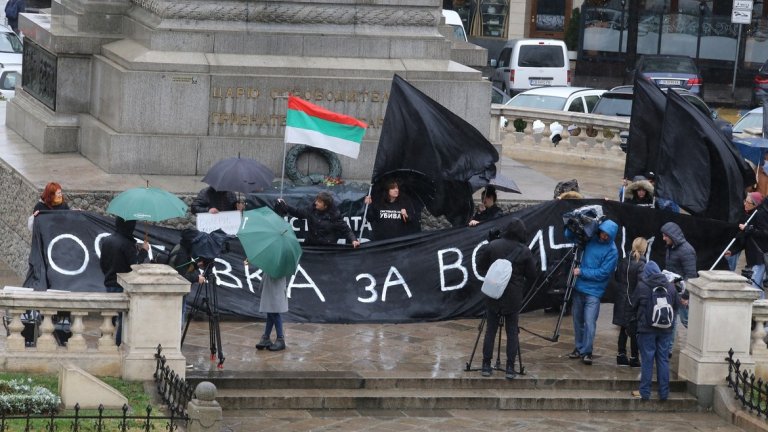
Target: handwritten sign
pixel 228 221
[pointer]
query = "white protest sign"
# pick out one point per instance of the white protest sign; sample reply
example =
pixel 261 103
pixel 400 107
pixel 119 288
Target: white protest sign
pixel 228 221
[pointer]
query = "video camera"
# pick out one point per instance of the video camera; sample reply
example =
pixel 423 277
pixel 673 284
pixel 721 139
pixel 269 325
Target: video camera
pixel 584 222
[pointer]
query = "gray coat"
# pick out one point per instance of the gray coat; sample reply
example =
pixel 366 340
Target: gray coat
pixel 681 257
pixel 274 295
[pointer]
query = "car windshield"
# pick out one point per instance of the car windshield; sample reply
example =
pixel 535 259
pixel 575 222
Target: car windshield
pixel 541 56
pixel 537 101
pixel 669 64
pixel 614 105
pixel 8 80
pixel 10 43
pixel 750 120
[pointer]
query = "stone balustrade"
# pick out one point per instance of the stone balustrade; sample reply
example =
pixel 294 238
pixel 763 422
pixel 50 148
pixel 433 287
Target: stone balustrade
pixel 91 345
pixel 595 142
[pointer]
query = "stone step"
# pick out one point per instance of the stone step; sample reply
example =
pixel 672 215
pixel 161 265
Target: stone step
pixel 412 399
pixel 351 380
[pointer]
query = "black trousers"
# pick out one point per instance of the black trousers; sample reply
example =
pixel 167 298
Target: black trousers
pixel 623 343
pixel 491 326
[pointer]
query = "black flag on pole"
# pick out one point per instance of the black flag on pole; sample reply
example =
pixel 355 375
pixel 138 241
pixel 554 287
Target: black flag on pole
pixel 698 168
pixel 421 135
pixel 644 128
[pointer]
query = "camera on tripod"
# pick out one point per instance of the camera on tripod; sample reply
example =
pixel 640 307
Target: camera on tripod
pixel 584 222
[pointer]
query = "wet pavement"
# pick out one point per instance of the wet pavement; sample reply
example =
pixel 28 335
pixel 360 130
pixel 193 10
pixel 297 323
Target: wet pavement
pixel 439 349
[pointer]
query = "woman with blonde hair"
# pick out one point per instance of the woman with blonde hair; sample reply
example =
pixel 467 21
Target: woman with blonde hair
pixel 627 274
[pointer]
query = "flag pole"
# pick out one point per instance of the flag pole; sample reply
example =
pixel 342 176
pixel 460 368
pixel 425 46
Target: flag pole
pixel 285 150
pixel 365 212
pixel 731 242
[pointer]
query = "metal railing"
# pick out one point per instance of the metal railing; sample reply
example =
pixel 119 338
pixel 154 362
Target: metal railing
pixel 175 392
pixel 751 391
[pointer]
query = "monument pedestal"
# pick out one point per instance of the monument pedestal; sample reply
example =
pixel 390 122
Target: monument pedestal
pixel 170 87
pixel 720 310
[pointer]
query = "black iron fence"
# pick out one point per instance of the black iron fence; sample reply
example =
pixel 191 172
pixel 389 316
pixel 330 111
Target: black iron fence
pixel 175 392
pixel 751 391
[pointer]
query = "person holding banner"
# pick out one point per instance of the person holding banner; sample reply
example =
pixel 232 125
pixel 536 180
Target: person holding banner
pixel 753 238
pixel 209 200
pixel 395 215
pixel 324 222
pixel 488 209
pixel 51 199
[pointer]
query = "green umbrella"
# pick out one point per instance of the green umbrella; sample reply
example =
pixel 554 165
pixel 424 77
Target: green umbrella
pixel 269 242
pixel 147 204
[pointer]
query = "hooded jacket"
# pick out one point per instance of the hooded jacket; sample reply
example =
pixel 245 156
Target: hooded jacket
pixel 642 298
pixel 511 245
pixel 754 238
pixel 681 256
pixel 627 277
pixel 631 193
pixel 119 251
pixel 598 261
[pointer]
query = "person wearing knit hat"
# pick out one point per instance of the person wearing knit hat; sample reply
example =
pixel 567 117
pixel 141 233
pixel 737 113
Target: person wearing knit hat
pixel 753 238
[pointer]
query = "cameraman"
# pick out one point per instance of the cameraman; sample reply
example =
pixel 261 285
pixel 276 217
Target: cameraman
pixel 592 274
pixel 510 245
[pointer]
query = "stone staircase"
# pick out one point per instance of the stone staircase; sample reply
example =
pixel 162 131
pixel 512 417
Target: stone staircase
pixel 306 390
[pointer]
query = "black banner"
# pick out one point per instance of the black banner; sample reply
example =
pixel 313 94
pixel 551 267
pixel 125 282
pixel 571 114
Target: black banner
pixel 423 277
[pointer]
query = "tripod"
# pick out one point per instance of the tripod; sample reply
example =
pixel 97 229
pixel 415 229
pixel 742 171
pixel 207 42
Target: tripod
pixel 496 366
pixel 574 253
pixel 206 300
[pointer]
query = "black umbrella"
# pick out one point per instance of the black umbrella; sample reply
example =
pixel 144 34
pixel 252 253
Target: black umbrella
pixel 504 183
pixel 239 175
pixel 412 182
pixel 206 245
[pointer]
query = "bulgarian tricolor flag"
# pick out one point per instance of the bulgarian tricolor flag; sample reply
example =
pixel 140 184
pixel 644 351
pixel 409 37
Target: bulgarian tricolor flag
pixel 315 126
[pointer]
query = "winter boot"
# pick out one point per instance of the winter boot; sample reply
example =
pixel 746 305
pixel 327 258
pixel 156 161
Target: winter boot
pixel 634 362
pixel 486 371
pixel 264 343
pixel 622 360
pixel 279 345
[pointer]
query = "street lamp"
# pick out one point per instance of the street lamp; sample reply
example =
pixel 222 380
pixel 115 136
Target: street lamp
pixel 702 7
pixel 621 25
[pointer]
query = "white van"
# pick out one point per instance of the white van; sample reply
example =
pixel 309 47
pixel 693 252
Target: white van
pixel 527 63
pixel 453 19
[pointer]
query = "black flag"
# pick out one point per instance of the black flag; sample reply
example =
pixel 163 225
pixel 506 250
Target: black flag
pixel 698 168
pixel 648 107
pixel 421 135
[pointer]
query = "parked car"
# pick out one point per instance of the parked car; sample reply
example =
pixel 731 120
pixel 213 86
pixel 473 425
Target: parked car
pixel 573 99
pixel 453 19
pixel 11 47
pixel 669 71
pixel 527 63
pixel 498 96
pixel 618 102
pixel 751 120
pixel 9 78
pixel 760 85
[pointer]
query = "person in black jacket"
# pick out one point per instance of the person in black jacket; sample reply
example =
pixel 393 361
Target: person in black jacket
pixel 324 222
pixel 753 238
pixel 510 246
pixel 680 259
pixel 628 274
pixel 655 343
pixel 488 209
pixel 209 200
pixel 395 215
pixel 119 252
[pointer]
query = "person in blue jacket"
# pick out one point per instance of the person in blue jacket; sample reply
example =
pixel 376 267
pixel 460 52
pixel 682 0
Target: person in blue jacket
pixel 597 266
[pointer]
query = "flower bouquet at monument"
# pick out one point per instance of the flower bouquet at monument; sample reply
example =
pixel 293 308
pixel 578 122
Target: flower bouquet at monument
pixel 332 181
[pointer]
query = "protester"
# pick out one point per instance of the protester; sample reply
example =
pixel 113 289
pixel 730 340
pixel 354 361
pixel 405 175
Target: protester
pixel 119 252
pixel 324 222
pixel 186 265
pixel 51 199
pixel 753 239
pixel 487 209
pixel 639 192
pixel 511 246
pixel 681 260
pixel 655 343
pixel 592 275
pixel 662 203
pixel 629 270
pixel 274 301
pixel 395 215
pixel 209 200
pixel 12 10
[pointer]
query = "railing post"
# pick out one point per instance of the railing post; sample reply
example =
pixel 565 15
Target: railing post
pixel 155 293
pixel 720 318
pixel 15 327
pixel 759 348
pixel 204 412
